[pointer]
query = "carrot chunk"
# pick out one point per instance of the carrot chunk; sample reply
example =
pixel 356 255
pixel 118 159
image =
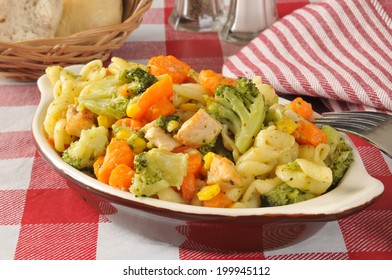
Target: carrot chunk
pixel 160 89
pixel 131 123
pixel 302 108
pixel 163 107
pixel 195 159
pixel 121 177
pixel 309 134
pixel 97 165
pixel 176 68
pixel 188 187
pixel 218 201
pixel 117 152
pixel 211 80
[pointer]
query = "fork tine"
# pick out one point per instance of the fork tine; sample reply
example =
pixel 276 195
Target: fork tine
pixel 345 119
pixel 363 115
pixel 360 119
pixel 343 124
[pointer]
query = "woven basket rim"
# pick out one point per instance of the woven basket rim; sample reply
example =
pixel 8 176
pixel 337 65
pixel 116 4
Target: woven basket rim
pixel 27 60
pixel 120 27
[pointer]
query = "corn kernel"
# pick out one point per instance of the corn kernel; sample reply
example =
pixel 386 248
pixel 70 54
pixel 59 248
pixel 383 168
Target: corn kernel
pixel 172 125
pixel 133 109
pixel 207 160
pixel 208 192
pixel 286 125
pixel 138 145
pixel 123 134
pixel 188 107
pixel 105 121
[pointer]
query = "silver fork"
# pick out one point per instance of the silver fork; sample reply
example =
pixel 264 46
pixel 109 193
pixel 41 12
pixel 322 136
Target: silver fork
pixel 375 127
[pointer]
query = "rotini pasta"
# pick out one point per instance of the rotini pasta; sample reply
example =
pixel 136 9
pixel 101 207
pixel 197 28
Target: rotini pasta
pixel 66 89
pixel 266 185
pixel 316 154
pixel 171 151
pixel 271 147
pixel 118 64
pixel 305 175
pixel 60 136
pixel 56 111
pixel 92 71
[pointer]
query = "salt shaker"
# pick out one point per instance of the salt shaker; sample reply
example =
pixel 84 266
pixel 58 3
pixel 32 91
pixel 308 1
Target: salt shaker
pixel 247 19
pixel 198 15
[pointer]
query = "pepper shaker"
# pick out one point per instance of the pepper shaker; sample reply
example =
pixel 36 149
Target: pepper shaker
pixel 247 19
pixel 198 15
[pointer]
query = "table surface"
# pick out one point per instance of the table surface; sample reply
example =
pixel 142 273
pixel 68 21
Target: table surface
pixel 41 218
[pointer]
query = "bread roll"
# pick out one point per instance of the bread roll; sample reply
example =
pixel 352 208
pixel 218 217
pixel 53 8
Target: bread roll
pixel 79 15
pixel 29 19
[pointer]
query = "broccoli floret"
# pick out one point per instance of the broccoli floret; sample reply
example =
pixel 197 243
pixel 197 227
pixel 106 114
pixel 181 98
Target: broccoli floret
pixel 340 156
pixel 216 147
pixel 137 80
pixel 156 170
pixel 82 153
pixel 103 100
pixel 284 195
pixel 241 108
pixel 165 122
pixel 208 147
pixel 105 97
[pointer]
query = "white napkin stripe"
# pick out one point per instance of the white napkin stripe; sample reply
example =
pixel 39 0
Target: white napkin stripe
pixel 380 10
pixel 276 70
pixel 375 49
pixel 302 74
pixel 368 40
pixel 360 75
pixel 341 46
pixel 357 78
pixel 374 28
pixel 322 58
pixel 243 57
pixel 361 41
pixel 316 74
pixel 240 63
pixel 274 50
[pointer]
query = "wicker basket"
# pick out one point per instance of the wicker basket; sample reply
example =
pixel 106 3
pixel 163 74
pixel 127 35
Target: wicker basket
pixel 27 60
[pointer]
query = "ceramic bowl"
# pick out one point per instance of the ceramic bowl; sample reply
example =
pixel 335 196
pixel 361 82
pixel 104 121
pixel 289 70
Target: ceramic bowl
pixel 205 228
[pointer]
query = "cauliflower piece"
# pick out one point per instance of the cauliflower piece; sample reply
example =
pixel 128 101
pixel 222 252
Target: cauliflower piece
pixel 157 170
pixel 92 143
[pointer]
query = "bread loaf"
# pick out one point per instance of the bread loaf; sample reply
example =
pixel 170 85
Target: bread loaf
pixel 29 19
pixel 79 15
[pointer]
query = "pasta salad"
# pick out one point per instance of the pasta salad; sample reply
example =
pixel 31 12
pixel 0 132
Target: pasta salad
pixel 164 130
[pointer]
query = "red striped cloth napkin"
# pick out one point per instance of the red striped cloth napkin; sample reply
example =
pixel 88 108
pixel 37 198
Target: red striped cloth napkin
pixel 339 50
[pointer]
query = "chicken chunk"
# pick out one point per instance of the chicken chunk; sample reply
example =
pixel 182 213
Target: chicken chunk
pixel 78 121
pixel 223 172
pixel 199 130
pixel 160 139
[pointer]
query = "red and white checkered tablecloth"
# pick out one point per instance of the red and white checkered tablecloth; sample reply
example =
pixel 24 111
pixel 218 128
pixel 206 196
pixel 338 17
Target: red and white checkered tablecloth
pixel 41 218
